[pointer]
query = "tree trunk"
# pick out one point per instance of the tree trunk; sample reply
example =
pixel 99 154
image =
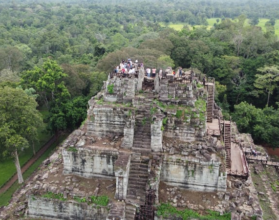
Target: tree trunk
pixel 18 168
pixel 34 152
pixel 268 98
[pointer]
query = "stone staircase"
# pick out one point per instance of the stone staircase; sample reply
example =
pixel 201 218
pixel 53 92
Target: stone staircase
pixel 116 211
pixel 227 140
pixel 210 102
pixel 137 180
pixel 130 212
pixel 142 134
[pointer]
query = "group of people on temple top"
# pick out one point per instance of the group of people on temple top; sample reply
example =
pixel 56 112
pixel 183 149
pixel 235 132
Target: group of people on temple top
pixel 129 68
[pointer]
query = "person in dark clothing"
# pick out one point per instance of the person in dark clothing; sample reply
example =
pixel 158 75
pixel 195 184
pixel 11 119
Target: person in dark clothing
pixel 203 81
pixel 180 71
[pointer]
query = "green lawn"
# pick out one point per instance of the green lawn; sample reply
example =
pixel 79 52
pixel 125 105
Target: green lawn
pixel 7 166
pixel 212 21
pixel 6 197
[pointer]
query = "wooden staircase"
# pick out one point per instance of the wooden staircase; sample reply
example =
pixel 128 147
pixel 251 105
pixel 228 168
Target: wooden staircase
pixel 210 102
pixel 227 140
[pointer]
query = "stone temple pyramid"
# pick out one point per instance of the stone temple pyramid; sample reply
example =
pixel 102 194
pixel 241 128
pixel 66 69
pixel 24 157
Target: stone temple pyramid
pixel 146 141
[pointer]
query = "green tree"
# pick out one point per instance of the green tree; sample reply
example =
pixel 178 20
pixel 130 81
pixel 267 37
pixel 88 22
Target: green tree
pixel 164 62
pixel 268 80
pixel 272 21
pixel 254 21
pixel 246 116
pixel 19 123
pixel 68 115
pixel 47 81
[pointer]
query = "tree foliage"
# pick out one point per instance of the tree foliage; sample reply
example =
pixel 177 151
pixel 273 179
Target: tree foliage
pixel 19 123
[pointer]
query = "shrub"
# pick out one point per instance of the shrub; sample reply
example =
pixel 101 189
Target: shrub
pixel 100 200
pixel 110 89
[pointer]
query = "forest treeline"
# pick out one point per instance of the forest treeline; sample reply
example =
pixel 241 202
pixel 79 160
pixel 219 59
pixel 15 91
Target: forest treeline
pixel 193 12
pixel 60 53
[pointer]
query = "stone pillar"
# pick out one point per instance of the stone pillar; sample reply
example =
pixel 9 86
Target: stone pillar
pixel 140 79
pixel 157 135
pixel 157 83
pixel 222 182
pixel 121 170
pixel 128 139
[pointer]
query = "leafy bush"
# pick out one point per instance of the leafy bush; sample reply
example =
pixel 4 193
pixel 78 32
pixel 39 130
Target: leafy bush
pixel 201 105
pixel 179 113
pixel 73 149
pixel 52 195
pixel 110 89
pixel 100 200
pixel 79 199
pixel 165 121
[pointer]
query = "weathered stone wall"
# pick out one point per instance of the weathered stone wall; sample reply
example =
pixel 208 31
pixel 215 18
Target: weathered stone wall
pixel 192 173
pixel 129 131
pixel 89 162
pixel 156 135
pixel 122 169
pixel 181 93
pixel 56 209
pixel 106 120
pixel 184 130
pixel 123 89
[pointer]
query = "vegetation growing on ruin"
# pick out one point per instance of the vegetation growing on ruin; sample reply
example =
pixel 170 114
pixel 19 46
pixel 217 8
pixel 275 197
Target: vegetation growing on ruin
pixel 96 200
pixel 167 210
pixel 165 120
pixel 178 113
pixel 51 195
pixel 72 149
pixel 100 200
pixel 80 199
pixel 111 88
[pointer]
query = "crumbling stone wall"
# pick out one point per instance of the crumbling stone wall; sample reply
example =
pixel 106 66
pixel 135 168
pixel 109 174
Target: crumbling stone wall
pixel 183 130
pixel 193 173
pixel 106 121
pixel 89 162
pixel 123 89
pixel 55 209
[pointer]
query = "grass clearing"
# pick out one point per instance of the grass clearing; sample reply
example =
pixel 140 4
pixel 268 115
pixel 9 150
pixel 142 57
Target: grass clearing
pixel 6 197
pixel 7 166
pixel 212 21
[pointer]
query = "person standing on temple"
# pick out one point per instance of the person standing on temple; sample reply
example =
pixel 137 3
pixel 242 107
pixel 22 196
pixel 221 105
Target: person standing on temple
pixel 180 71
pixel 160 74
pixel 203 81
pixel 148 71
pixel 153 72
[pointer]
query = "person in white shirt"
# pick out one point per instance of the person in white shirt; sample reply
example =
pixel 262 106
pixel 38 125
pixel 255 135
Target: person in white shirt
pixel 160 74
pixel 132 71
pixel 148 71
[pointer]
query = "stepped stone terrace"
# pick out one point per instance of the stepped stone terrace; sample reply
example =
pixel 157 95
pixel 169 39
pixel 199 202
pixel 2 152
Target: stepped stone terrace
pixel 147 140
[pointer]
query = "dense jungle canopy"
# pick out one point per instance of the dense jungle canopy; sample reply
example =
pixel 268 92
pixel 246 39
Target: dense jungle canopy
pixel 61 51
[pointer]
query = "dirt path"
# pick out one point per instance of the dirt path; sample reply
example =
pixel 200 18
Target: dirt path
pixel 8 184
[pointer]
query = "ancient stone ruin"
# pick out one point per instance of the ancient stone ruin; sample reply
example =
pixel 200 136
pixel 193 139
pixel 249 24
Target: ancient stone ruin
pixel 146 141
